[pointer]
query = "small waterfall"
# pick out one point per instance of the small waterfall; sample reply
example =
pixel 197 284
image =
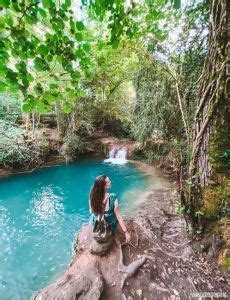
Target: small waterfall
pixel 117 156
pixel 121 153
pixel 112 152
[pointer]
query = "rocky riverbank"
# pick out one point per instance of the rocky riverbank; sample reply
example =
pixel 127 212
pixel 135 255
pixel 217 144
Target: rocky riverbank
pixel 174 268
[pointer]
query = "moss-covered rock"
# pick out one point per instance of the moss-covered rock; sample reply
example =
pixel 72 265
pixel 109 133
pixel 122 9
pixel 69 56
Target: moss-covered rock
pixel 216 197
pixel 219 156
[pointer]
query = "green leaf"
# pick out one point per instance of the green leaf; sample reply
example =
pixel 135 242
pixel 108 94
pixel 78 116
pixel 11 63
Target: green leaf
pixel 5 3
pixel 43 50
pixel 31 20
pixel 79 53
pixel 75 75
pixel 64 7
pixel 101 60
pixel 177 4
pixel 9 21
pixel 89 76
pixel 2 87
pixel 11 77
pixel 42 107
pixel 86 60
pixel 72 25
pixel 38 88
pixel 25 82
pixel 20 66
pixel 67 108
pixel 50 98
pixel 47 3
pixel 40 64
pixel 100 46
pixel 26 107
pixel 3 70
pixel 78 37
pixel 2 21
pixel 49 58
pixel 53 86
pixel 82 93
pixel 30 77
pixel 71 94
pixel 59 59
pixel 68 3
pixel 69 68
pixel 188 181
pixel 80 26
pixel 115 44
pixel 13 87
pixel 15 6
pixel 199 213
pixel 86 47
pixel 42 12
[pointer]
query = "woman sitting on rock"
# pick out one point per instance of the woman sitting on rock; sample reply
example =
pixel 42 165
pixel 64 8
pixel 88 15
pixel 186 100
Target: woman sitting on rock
pixel 102 202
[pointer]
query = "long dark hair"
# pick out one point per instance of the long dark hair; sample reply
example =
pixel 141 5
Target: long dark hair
pixel 97 195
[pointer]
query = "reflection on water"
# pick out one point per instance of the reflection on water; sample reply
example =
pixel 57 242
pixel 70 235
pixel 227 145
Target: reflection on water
pixel 40 213
pixel 45 207
pixel 5 232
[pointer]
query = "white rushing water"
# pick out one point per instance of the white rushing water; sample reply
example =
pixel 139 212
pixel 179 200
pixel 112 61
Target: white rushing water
pixel 117 156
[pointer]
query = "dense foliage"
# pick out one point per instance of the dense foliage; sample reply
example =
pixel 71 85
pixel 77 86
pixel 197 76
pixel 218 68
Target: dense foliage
pixel 167 85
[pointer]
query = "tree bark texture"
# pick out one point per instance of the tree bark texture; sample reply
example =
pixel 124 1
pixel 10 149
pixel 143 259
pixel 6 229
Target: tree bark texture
pixel 212 103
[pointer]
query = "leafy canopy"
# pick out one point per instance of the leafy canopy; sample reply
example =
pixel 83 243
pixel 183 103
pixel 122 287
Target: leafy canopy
pixel 48 39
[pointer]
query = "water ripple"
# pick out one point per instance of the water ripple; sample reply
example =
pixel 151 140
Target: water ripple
pixel 45 207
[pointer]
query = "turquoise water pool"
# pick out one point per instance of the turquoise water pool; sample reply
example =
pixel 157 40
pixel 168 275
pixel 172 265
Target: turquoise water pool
pixel 40 213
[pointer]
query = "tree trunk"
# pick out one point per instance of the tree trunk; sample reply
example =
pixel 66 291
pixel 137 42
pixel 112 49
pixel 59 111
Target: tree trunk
pixel 211 107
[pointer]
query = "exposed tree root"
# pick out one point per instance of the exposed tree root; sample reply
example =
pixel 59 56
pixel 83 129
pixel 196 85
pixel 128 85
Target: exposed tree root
pixel 131 269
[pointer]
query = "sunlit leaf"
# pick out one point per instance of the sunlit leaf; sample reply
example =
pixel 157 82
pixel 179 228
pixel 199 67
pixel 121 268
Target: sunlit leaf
pixel 86 47
pixel 100 46
pixel 26 107
pixel 78 37
pixel 67 108
pixel 43 50
pixel 79 53
pixel 47 3
pixel 42 12
pixel 80 26
pixel 53 86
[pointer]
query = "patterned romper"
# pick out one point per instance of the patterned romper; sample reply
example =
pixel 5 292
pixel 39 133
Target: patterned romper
pixel 110 215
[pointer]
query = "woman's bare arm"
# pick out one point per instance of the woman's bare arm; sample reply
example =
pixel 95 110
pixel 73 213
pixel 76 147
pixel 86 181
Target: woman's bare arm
pixel 119 217
pixel 90 209
pixel 121 222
